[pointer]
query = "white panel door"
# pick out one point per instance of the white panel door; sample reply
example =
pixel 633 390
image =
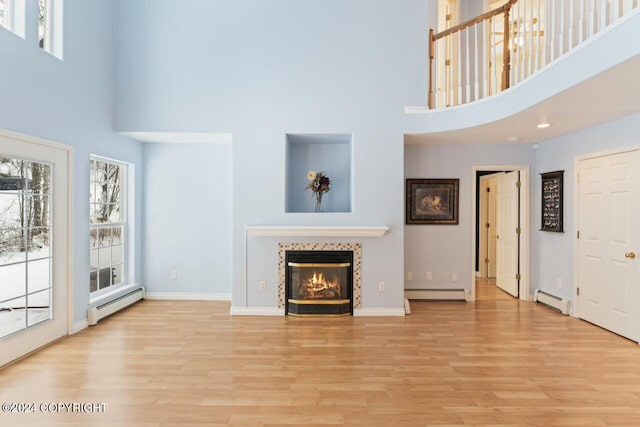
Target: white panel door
pixel 33 246
pixel 608 267
pixel 507 244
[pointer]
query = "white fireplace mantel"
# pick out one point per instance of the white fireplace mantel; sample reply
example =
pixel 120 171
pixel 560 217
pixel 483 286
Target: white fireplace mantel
pixel 316 231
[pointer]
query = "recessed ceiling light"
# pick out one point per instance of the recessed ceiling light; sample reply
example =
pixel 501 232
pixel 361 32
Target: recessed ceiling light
pixel 513 138
pixel 544 125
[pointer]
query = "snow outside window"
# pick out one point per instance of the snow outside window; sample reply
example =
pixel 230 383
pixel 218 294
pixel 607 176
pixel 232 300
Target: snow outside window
pixel 108 224
pixel 25 250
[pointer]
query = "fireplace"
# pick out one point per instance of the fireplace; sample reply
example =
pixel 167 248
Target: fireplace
pixel 319 283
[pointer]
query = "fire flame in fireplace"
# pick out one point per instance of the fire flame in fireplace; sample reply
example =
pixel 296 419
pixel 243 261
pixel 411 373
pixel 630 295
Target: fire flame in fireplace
pixel 319 287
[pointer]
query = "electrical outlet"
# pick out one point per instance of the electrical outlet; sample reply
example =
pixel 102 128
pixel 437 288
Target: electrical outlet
pixel 429 276
pixel 263 286
pixel 174 274
pixel 381 287
pixel 454 277
pixel 559 283
pixel 409 276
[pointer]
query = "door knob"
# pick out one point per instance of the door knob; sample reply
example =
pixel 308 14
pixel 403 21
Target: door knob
pixel 497 237
pixel 630 255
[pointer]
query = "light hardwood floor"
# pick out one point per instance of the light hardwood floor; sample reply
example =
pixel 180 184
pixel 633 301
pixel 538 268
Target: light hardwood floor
pixel 495 362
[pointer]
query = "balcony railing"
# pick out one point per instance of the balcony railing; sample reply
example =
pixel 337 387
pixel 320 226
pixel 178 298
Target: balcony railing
pixel 501 48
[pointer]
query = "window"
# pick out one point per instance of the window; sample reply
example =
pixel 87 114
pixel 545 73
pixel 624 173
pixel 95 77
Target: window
pixel 5 13
pixel 108 224
pixel 50 26
pixel 12 16
pixel 25 236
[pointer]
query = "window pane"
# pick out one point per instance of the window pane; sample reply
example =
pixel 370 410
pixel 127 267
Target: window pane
pixel 114 213
pixel 104 257
pixel 93 280
pixel 12 316
pixel 39 243
pixel 43 24
pixel 104 278
pixel 39 307
pixel 93 259
pixel 117 275
pixel 93 238
pixel 39 273
pixel 104 237
pixel 13 281
pixel 12 244
pixel 38 212
pixel 117 254
pixel 116 235
pixel 3 13
pixel 11 209
pixel 102 192
pixel 39 175
pixel 12 174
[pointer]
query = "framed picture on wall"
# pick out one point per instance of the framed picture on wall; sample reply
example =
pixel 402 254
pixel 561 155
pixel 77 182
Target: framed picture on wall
pixel 432 201
pixel 552 201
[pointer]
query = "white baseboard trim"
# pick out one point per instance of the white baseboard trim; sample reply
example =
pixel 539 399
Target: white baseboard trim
pixel 79 325
pixel 437 294
pixel 378 312
pixel 256 311
pixel 183 296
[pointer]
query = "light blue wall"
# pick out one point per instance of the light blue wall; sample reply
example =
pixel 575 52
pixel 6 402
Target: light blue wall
pixel 446 249
pixel 187 218
pixel 69 102
pixel 555 257
pixel 265 69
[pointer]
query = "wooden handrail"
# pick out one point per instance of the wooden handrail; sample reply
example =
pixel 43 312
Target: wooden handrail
pixel 464 60
pixel 505 8
pixel 478 19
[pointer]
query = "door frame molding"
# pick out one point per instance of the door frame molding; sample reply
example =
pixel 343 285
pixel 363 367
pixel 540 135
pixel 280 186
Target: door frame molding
pixel 525 234
pixel 70 168
pixel 575 304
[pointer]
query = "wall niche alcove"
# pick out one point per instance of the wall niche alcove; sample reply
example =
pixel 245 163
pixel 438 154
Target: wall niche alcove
pixel 328 153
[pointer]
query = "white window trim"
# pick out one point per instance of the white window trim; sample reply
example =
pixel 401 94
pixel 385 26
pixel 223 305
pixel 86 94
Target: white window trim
pixel 127 222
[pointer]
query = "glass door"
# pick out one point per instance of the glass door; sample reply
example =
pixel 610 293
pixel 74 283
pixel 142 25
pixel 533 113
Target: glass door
pixel 33 245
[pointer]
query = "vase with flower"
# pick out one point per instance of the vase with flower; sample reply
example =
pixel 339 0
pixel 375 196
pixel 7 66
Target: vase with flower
pixel 319 184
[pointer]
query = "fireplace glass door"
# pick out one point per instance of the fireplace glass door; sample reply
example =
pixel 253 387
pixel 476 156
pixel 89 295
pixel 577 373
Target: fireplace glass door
pixel 319 282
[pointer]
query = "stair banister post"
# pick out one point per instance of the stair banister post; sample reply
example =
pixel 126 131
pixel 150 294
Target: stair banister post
pixel 506 66
pixel 431 79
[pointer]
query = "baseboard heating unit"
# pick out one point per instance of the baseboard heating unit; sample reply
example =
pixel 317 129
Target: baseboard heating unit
pixel 436 294
pixel 560 304
pixel 94 314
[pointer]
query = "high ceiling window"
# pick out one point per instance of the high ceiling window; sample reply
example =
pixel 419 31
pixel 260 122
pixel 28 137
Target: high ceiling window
pixel 50 13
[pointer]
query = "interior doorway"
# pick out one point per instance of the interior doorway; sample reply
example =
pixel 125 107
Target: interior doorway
pixel 486 223
pixel 503 259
